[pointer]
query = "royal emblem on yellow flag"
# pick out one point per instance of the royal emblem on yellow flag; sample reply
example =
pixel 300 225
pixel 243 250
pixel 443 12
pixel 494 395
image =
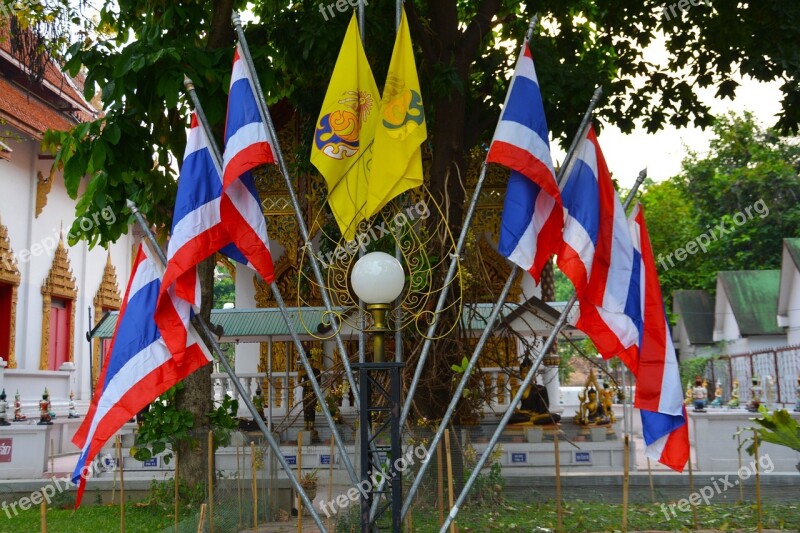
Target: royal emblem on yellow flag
pixel 343 137
pixel 397 157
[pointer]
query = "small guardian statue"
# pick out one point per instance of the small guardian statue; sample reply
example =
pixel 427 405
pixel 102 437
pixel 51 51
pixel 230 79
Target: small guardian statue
pixel 18 416
pixel 591 410
pixel 534 408
pixel 44 410
pixel 797 394
pixel 734 401
pixel 73 412
pixel 699 395
pixel 689 396
pixel 717 402
pixel 755 395
pixel 3 409
pixel 770 394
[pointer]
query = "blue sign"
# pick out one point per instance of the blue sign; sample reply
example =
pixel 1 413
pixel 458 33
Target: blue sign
pixel 324 459
pixel 583 457
pixel 290 459
pixel 521 457
pixel 153 462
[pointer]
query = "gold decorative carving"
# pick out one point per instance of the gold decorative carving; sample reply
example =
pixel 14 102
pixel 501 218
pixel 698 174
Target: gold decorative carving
pixel 107 297
pixel 286 278
pixel 9 274
pixel 229 265
pixel 491 270
pixel 43 186
pixel 60 283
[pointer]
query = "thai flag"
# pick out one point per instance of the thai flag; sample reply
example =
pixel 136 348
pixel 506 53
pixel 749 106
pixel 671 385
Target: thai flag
pixel 136 370
pixel 247 145
pixel 598 256
pixel 532 220
pixel 659 394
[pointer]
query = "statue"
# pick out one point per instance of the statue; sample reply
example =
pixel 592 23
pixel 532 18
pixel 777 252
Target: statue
pixel 688 400
pixel 591 410
pixel 607 401
pixel 73 412
pixel 309 399
pixel 734 403
pixel 18 416
pixel 3 409
pixel 699 395
pixel 44 410
pixel 797 394
pixel 535 404
pixel 755 395
pixel 717 402
pixel 769 392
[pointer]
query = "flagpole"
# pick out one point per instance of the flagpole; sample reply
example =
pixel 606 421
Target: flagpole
pixel 279 300
pixel 361 22
pixel 262 104
pixel 451 272
pixel 562 319
pixel 208 336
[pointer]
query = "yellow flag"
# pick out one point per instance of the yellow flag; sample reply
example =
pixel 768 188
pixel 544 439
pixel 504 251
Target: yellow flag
pixel 342 148
pixel 397 157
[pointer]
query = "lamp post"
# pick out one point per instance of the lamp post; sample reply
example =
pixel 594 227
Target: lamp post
pixel 377 279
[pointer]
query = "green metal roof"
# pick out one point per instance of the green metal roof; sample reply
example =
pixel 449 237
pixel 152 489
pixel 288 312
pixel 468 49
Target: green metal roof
pixel 696 308
pixel 793 247
pixel 753 295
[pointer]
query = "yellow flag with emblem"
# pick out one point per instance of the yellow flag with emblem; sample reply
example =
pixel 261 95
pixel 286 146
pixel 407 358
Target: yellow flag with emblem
pixel 343 137
pixel 397 156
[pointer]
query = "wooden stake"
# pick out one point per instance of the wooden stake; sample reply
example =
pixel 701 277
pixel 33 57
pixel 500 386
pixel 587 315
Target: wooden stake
pixel 210 483
pixel 121 487
pixel 201 522
pixel 450 491
pixel 254 484
pixel 559 511
pixel 299 477
pixel 691 491
pixel 440 483
pixel 239 483
pixel 43 515
pixel 739 472
pixel 625 481
pixel 652 487
pixel 52 459
pixel 176 497
pixel 330 480
pixel 758 481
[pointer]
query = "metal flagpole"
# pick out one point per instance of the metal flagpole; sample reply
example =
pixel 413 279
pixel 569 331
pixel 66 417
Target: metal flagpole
pixel 205 333
pixel 278 299
pixel 562 319
pixel 451 272
pixel 361 21
pixel 295 204
pixel 493 318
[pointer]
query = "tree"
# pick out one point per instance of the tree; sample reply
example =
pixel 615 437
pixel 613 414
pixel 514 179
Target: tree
pixel 740 201
pixel 140 52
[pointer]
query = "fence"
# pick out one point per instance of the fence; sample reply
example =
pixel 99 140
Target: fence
pixel 781 365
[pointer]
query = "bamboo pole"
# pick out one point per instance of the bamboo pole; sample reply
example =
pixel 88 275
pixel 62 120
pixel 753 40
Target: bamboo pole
pixel 330 480
pixel 210 483
pixel 652 487
pixel 254 484
pixel 691 491
pixel 625 481
pixel 440 483
pixel 52 459
pixel 121 487
pixel 300 477
pixel 177 495
pixel 450 491
pixel 43 515
pixel 739 472
pixel 201 521
pixel 239 482
pixel 758 482
pixel 559 510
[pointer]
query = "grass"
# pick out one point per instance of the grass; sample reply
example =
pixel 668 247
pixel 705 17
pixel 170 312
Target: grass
pixel 508 517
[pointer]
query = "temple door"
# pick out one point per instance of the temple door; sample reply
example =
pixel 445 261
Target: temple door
pixel 59 333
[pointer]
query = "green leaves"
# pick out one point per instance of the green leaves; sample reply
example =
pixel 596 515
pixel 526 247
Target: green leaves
pixel 778 428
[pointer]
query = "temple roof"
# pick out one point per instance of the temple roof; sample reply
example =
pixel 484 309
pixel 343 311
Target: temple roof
pixel 696 309
pixel 753 295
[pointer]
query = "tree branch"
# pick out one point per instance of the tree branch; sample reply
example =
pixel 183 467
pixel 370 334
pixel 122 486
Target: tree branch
pixel 478 28
pixel 422 37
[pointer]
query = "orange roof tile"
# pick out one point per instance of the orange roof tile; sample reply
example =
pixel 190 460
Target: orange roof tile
pixel 28 113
